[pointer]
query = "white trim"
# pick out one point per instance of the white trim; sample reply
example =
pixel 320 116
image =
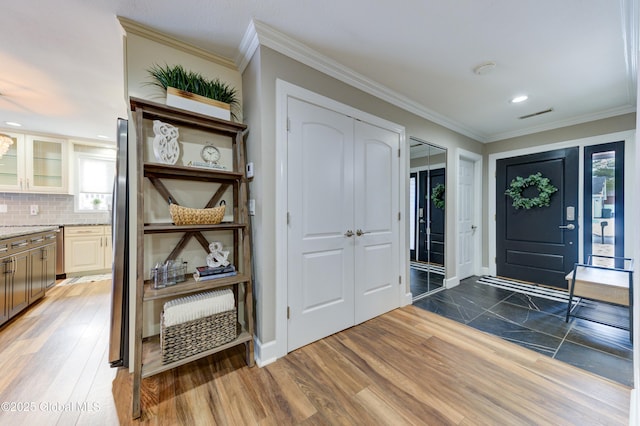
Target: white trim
pixel 259 33
pixel 477 205
pixel 264 353
pixel 273 39
pixel 451 282
pixel 285 90
pixel 627 136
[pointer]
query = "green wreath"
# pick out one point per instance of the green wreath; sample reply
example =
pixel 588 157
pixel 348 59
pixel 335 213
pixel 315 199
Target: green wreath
pixel 519 184
pixel 437 196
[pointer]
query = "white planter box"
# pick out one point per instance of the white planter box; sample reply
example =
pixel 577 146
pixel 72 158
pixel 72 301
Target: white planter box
pixel 196 103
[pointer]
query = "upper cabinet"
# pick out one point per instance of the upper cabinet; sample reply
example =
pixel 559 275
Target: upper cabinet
pixel 37 164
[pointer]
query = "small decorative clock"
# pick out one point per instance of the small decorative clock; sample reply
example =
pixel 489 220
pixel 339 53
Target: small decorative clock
pixel 210 154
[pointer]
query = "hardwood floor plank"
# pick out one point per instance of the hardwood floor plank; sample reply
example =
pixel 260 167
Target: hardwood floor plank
pixel 406 367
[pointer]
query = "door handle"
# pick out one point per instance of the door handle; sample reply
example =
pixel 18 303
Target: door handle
pixel 570 227
pixel 360 232
pixel 349 233
pixel 474 227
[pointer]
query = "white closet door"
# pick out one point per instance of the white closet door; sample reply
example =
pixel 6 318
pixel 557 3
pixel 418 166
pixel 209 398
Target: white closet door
pixel 376 216
pixel 320 204
pixel 466 232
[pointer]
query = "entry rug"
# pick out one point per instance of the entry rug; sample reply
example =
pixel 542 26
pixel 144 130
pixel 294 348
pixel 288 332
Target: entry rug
pixel 86 279
pixel 428 267
pixel 529 289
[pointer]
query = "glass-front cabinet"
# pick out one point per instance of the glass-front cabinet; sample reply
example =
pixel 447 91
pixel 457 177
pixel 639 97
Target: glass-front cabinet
pixel 35 164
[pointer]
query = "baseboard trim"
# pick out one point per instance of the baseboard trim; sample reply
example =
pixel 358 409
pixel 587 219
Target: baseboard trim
pixel 451 282
pixel 264 353
pixel 407 299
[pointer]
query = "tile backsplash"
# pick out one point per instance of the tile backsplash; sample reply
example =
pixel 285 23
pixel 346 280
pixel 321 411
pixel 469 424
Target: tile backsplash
pixel 53 209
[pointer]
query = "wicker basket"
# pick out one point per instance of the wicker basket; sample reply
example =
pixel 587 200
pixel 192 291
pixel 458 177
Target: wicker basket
pixel 189 338
pixel 188 216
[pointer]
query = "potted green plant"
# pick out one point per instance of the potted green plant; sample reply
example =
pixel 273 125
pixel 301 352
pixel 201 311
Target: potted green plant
pixel 96 203
pixel 194 92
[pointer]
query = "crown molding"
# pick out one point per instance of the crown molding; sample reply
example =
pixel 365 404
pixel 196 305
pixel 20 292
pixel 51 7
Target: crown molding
pixel 563 123
pixel 132 27
pixel 260 34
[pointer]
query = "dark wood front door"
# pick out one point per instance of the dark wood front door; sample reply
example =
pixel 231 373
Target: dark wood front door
pixel 540 244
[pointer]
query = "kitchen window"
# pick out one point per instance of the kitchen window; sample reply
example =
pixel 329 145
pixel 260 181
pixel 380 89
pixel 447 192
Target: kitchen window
pixel 94 182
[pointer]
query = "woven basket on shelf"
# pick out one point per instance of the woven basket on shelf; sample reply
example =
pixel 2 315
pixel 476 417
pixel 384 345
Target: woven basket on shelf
pixel 188 216
pixel 189 338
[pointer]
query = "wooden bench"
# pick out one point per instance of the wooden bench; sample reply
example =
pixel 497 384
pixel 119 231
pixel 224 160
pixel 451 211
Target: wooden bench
pixel 603 284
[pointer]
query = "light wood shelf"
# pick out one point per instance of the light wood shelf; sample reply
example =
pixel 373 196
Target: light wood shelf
pixel 190 285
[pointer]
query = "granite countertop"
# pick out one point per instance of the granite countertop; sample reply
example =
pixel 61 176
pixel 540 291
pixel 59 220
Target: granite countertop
pixel 17 231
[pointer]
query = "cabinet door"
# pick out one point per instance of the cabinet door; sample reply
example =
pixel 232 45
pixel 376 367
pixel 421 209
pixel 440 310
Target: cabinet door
pixel 49 265
pixel 108 248
pixel 37 284
pixel 83 253
pixel 12 171
pixel 46 165
pixel 5 269
pixel 18 287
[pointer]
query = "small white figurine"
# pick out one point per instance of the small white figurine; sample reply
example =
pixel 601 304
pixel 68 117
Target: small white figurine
pixel 217 257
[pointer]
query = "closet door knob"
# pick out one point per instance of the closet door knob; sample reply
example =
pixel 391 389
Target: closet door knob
pixel 360 232
pixel 349 233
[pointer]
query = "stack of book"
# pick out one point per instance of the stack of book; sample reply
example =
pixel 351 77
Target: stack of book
pixel 204 273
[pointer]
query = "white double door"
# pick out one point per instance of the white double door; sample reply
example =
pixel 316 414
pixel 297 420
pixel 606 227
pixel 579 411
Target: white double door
pixel 343 231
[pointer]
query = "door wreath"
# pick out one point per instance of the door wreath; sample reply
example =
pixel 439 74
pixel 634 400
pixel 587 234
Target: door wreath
pixel 437 196
pixel 519 184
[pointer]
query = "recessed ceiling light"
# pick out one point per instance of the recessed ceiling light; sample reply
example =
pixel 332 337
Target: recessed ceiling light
pixel 519 99
pixel 12 123
pixel 103 137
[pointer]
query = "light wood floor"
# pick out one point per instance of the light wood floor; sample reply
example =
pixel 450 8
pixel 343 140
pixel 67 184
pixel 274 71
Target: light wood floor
pixel 406 367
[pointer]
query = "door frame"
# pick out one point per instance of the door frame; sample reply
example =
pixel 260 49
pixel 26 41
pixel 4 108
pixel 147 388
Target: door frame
pixel 627 136
pixel 476 159
pixel 285 90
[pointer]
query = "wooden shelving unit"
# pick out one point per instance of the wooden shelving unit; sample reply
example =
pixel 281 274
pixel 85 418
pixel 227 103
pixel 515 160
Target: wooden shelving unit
pixel 147 353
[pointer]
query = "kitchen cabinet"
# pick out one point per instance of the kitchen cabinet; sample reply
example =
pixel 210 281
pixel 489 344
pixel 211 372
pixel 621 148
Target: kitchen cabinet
pixel 27 264
pixel 87 248
pixel 158 238
pixel 42 265
pixel 36 164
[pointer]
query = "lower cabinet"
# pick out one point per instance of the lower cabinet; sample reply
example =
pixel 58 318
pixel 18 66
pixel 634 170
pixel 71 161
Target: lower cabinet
pixel 87 248
pixel 28 267
pixel 18 283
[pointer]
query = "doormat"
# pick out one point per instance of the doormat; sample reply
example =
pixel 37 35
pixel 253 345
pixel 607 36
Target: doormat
pixel 85 279
pixel 529 289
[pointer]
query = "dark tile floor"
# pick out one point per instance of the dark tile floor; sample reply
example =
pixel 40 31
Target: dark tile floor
pixel 539 324
pixel 423 281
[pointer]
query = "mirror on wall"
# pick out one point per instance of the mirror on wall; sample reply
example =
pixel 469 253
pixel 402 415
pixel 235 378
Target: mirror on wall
pixel 427 192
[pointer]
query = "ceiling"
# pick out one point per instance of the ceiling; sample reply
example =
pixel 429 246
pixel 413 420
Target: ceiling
pixel 62 66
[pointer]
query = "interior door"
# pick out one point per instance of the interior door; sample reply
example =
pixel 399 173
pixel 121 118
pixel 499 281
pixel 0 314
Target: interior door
pixel 376 221
pixel 466 226
pixel 539 244
pixel 321 236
